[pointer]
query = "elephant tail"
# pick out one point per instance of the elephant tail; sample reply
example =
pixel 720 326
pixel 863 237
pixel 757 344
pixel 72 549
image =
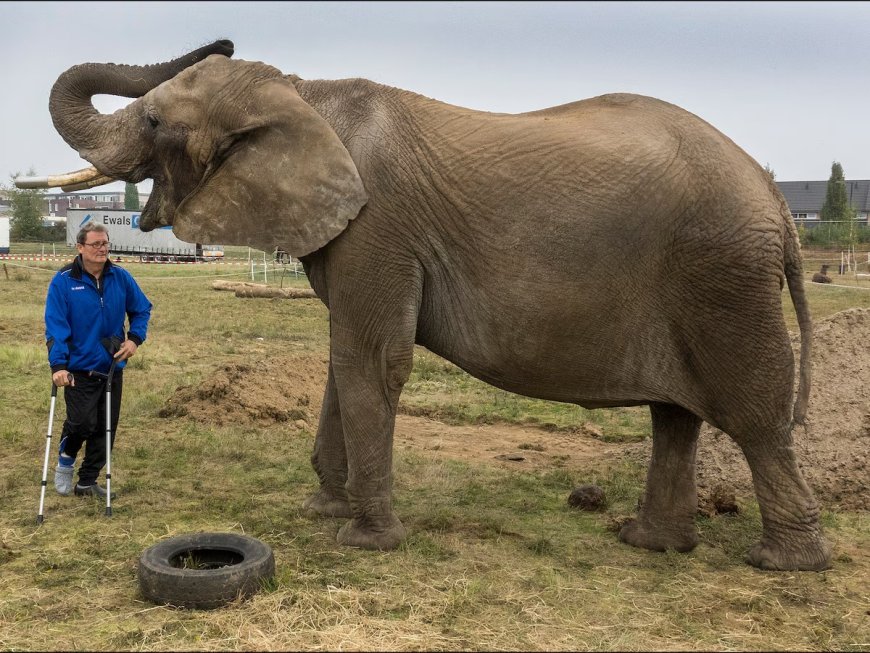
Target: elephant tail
pixel 795 280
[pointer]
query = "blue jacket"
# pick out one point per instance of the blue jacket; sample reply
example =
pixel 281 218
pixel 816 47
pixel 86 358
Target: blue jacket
pixel 79 315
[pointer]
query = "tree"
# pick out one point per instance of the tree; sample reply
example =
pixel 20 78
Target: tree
pixel 131 197
pixel 769 171
pixel 26 222
pixel 851 229
pixel 836 206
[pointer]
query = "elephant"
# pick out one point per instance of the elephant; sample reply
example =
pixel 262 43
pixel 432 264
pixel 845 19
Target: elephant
pixel 613 251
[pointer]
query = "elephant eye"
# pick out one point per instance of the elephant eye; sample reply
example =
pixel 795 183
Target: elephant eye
pixel 152 120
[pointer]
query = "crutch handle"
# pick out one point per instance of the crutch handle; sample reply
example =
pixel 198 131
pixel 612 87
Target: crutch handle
pixel 105 376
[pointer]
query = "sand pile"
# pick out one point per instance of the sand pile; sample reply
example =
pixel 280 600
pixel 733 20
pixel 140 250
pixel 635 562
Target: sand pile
pixel 272 390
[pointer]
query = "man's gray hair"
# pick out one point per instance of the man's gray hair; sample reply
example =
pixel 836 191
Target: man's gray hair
pixel 89 227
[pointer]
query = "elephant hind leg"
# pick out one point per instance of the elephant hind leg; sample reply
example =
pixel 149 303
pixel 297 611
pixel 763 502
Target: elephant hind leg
pixel 792 536
pixel 667 516
pixel 760 422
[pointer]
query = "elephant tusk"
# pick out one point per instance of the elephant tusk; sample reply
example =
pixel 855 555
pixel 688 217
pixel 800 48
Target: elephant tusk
pixel 99 181
pixel 89 175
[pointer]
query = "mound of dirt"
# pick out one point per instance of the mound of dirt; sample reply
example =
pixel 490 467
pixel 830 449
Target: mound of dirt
pixel 832 449
pixel 263 392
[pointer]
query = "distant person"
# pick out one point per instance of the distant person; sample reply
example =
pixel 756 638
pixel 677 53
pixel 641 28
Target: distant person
pixel 822 277
pixel 85 309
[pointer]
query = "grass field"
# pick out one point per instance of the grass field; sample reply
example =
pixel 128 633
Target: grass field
pixel 495 560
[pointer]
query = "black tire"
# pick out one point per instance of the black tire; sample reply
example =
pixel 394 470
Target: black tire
pixel 224 567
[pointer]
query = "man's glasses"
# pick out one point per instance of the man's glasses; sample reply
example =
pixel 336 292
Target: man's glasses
pixel 99 245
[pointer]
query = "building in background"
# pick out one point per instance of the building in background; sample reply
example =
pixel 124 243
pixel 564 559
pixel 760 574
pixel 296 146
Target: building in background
pixel 57 204
pixel 805 199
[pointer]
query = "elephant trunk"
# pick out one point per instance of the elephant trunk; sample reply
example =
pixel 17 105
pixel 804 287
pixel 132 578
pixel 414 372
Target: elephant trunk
pixel 109 141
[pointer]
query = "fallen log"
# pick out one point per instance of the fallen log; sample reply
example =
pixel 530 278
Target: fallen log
pixel 220 284
pixel 280 293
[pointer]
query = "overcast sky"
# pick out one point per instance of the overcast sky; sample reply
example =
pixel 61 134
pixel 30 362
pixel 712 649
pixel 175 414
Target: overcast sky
pixel 787 81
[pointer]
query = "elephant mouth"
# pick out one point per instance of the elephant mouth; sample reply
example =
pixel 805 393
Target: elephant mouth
pixel 159 210
pixel 148 220
pixel 169 193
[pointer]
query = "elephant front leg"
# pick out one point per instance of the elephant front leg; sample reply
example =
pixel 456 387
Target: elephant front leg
pixel 667 517
pixel 330 458
pixel 369 393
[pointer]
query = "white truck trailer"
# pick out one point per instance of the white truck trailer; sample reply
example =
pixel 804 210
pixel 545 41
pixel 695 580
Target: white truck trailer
pixel 4 235
pixel 126 237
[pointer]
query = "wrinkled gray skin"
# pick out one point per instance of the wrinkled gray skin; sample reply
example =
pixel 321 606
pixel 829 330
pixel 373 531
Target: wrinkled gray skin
pixel 615 251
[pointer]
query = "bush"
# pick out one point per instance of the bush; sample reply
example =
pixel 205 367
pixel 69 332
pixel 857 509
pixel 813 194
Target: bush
pixel 833 235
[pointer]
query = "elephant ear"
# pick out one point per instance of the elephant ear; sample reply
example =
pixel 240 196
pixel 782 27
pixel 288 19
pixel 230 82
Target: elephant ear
pixel 282 178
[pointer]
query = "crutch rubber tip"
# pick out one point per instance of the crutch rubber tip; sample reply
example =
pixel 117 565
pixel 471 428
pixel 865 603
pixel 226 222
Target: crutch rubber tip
pixel 39 520
pixel 108 512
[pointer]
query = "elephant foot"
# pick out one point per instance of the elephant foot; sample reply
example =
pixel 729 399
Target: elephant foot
pixel 326 504
pixel 376 539
pixel 801 555
pixel 637 533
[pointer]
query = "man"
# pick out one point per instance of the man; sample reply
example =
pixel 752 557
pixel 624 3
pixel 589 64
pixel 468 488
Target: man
pixel 85 309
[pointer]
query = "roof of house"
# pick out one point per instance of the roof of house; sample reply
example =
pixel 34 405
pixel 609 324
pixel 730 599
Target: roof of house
pixel 809 196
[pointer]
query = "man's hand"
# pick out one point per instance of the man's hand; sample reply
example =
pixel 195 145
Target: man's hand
pixel 127 349
pixel 62 378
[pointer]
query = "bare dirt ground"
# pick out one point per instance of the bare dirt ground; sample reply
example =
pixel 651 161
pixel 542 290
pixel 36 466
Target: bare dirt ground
pixel 832 450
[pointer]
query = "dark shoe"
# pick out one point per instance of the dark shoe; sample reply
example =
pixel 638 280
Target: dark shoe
pixel 91 491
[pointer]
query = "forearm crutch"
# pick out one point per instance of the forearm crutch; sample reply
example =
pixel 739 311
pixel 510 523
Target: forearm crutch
pixel 39 516
pixel 108 378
